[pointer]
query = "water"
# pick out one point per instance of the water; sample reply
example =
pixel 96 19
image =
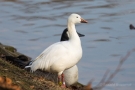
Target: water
pixel 32 25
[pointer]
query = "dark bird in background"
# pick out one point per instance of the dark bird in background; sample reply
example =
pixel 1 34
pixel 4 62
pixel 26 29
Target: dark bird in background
pixel 65 35
pixel 131 27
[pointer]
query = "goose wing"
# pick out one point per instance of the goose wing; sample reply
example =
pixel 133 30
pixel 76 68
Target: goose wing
pixel 52 54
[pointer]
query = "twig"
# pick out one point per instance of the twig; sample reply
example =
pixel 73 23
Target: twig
pixel 103 81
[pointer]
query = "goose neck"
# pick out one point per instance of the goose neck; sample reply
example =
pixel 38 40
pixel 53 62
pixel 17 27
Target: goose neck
pixel 73 36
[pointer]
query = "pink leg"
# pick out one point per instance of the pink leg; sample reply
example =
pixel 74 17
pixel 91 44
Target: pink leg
pixel 63 81
pixel 59 80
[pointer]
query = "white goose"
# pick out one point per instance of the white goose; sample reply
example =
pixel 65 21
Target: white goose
pixel 61 55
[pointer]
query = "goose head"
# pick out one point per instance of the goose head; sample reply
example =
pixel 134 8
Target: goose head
pixel 75 18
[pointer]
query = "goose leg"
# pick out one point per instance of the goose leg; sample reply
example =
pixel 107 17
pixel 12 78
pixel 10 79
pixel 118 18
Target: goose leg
pixel 63 81
pixel 59 80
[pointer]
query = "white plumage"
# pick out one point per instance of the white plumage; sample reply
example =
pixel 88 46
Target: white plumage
pixel 61 55
pixel 57 58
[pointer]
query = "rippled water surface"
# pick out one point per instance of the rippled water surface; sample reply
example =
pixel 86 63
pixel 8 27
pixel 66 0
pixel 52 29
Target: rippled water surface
pixel 32 25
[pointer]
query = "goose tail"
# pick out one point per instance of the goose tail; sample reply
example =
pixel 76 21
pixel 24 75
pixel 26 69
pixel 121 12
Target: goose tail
pixel 28 66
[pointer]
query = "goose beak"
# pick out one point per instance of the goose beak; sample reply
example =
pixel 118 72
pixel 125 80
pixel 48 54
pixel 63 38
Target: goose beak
pixel 83 21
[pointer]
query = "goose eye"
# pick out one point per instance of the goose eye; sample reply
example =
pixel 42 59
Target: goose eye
pixel 76 17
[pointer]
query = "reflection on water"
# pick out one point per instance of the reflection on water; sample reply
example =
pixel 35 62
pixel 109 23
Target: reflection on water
pixel 32 25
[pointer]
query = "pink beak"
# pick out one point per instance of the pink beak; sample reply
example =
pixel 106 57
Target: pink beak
pixel 83 21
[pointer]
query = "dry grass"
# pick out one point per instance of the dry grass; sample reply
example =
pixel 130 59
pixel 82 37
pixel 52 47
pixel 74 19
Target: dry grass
pixel 6 84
